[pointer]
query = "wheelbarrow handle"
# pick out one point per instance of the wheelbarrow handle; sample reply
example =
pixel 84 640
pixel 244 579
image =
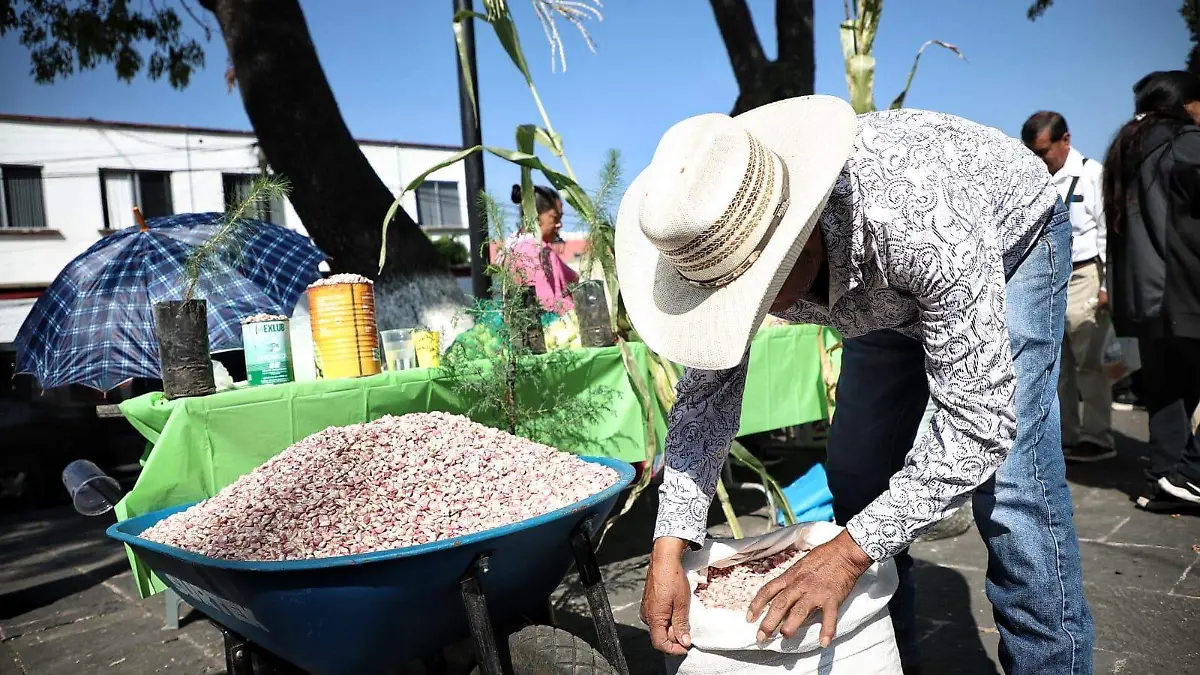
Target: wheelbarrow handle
pixel 597 596
pixel 475 603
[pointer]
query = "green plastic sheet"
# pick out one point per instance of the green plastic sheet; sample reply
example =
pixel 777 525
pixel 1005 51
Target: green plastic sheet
pixel 201 445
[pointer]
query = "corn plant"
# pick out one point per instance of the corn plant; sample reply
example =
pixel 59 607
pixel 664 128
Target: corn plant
pixel 491 366
pixel 858 51
pixel 595 210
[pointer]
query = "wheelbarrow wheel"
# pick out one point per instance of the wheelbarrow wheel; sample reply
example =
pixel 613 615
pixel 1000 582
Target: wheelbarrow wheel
pixel 546 650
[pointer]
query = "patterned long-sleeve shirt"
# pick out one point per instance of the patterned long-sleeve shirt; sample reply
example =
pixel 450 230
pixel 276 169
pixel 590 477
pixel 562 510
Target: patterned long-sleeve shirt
pixel 928 218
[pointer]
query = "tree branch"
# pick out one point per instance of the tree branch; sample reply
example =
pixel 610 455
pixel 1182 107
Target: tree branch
pixel 794 26
pixel 337 193
pixel 741 40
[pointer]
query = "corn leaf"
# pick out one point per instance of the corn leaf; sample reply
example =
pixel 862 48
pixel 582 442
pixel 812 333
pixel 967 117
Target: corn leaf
pixel 525 140
pixel 868 24
pixel 461 40
pixel 575 195
pixel 643 395
pixel 741 455
pixel 506 32
pixel 413 185
pixel 860 70
pixel 727 508
pixel 912 72
pixel 527 135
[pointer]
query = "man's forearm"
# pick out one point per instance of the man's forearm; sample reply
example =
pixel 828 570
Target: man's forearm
pixel 669 548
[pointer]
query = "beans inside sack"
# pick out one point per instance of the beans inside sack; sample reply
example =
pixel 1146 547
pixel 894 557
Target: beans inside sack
pixel 735 587
pixel 387 484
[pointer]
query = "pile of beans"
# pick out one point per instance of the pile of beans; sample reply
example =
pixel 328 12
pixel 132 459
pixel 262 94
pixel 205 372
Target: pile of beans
pixel 341 279
pixel 387 484
pixel 262 318
pixel 734 587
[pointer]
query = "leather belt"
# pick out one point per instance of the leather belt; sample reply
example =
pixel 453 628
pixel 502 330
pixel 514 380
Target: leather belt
pixel 1084 263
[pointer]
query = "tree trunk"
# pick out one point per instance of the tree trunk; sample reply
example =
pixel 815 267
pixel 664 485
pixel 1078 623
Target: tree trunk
pixel 335 191
pixel 761 81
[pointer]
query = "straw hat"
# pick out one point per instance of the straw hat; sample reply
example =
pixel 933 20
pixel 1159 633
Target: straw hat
pixel 707 234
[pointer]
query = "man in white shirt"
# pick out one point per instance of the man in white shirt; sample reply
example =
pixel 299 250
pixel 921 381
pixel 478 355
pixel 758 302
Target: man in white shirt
pixel 1082 376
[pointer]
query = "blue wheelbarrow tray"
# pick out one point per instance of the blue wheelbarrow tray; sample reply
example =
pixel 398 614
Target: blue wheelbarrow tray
pixel 370 613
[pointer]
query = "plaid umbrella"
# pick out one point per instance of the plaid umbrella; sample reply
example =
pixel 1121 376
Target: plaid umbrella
pixel 94 325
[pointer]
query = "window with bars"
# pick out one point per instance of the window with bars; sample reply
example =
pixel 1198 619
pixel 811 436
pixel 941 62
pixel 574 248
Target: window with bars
pixel 438 205
pixel 122 190
pixel 22 205
pixel 237 188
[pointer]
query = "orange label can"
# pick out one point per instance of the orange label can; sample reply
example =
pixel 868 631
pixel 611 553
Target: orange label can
pixel 345 341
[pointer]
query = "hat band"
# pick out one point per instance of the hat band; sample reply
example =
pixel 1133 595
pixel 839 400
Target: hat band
pixel 745 207
pixel 780 211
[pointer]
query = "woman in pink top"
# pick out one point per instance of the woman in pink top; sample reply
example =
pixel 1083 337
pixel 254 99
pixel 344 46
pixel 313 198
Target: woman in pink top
pixel 534 259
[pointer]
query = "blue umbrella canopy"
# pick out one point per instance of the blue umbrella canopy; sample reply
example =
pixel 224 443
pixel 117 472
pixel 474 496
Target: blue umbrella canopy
pixel 94 325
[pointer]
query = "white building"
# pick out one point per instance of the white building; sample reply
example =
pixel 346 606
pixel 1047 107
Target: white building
pixel 68 182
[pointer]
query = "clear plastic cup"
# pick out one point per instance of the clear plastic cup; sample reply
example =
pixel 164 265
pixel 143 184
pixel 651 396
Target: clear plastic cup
pixel 398 353
pixel 93 492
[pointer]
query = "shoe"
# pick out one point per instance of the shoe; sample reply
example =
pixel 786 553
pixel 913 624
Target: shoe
pixel 1125 401
pixel 1087 452
pixel 1154 499
pixel 1150 494
pixel 1180 488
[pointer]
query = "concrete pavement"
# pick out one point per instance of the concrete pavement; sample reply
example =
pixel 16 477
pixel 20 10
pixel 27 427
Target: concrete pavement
pixel 68 605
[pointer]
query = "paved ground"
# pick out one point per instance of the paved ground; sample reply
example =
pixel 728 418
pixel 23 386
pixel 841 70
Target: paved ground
pixel 67 603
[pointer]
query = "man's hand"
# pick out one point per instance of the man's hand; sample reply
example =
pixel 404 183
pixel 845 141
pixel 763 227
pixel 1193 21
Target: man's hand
pixel 820 581
pixel 1102 301
pixel 665 600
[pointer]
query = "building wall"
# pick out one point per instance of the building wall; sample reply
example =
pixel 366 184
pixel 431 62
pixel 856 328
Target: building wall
pixel 71 156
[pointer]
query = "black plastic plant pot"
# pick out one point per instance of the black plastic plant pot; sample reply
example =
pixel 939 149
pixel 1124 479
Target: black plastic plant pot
pixel 595 323
pixel 534 338
pixel 181 327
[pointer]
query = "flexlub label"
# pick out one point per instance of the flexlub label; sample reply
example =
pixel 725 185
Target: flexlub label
pixel 191 592
pixel 268 349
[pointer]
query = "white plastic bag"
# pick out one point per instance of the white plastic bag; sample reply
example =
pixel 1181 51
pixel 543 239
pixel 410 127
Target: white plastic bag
pixel 871 650
pixel 715 629
pixel 724 643
pixel 1121 356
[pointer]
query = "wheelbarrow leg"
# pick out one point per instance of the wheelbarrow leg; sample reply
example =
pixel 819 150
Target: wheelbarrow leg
pixel 482 635
pixel 597 596
pixel 171 601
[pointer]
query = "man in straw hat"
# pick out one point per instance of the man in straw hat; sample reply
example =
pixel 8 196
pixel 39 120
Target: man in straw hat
pixel 939 249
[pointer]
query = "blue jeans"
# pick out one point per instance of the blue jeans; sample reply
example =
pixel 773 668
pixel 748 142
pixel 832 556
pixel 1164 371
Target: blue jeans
pixel 1024 513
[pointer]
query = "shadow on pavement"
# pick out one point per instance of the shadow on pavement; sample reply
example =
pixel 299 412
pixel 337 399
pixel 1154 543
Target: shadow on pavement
pixel 1125 472
pixel 951 641
pixel 19 602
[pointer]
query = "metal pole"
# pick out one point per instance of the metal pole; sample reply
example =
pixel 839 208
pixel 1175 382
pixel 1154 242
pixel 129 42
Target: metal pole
pixel 472 136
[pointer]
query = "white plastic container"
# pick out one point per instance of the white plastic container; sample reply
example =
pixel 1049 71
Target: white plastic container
pixel 267 344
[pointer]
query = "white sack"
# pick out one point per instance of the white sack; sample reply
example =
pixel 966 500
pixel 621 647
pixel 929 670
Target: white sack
pixel 714 629
pixel 1121 356
pixel 871 650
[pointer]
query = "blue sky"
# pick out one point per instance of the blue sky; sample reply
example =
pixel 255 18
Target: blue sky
pixel 392 68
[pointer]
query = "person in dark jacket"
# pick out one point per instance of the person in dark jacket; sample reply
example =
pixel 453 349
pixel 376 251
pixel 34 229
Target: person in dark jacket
pixel 1152 205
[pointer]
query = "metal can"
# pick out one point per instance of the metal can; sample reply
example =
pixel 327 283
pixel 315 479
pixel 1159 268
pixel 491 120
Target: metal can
pixel 267 343
pixel 345 341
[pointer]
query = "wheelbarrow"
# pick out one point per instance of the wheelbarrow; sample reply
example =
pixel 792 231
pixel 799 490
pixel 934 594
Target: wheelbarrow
pixel 372 613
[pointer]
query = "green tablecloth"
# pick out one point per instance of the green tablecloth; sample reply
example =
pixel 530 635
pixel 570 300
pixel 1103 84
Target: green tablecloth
pixel 200 445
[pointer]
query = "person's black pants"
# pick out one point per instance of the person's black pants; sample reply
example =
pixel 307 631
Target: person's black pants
pixel 1171 388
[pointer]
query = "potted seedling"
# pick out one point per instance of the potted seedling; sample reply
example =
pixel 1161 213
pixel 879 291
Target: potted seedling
pixel 181 326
